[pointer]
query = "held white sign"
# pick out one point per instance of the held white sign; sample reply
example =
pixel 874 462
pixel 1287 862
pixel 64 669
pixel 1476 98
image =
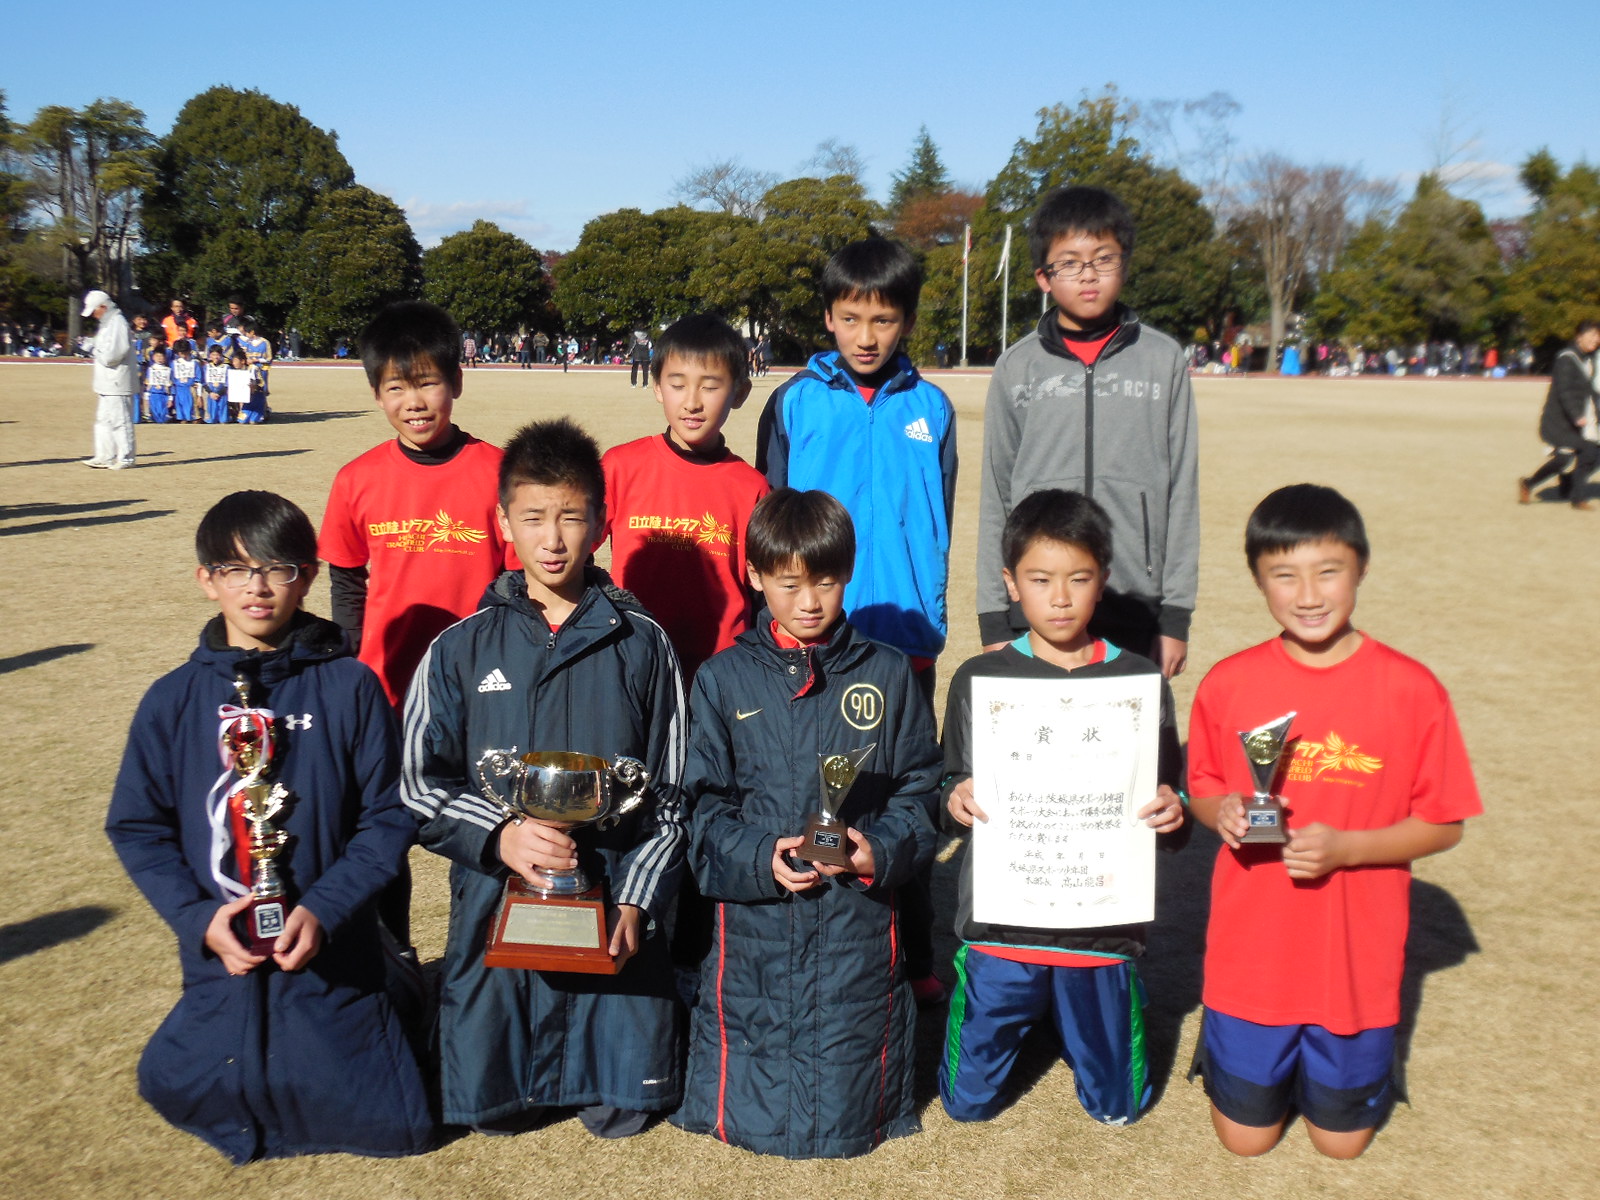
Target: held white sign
pixel 1061 767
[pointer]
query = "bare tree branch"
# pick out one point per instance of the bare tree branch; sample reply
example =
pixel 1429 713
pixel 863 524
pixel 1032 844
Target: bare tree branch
pixel 726 185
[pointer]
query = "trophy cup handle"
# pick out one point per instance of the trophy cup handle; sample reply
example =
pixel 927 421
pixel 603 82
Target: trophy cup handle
pixel 504 763
pixel 634 776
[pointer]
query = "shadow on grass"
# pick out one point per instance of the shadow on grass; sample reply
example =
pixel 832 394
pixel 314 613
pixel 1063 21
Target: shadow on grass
pixel 16 512
pixel 20 662
pixel 312 418
pixel 56 462
pixel 1440 938
pixel 187 462
pixel 85 522
pixel 40 933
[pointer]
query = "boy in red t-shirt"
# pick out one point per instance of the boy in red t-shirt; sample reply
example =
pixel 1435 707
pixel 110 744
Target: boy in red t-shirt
pixel 678 502
pixel 409 533
pixel 677 507
pixel 1306 942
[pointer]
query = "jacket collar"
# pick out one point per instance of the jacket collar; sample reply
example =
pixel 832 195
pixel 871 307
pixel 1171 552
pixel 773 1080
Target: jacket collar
pixel 1127 332
pixel 600 614
pixel 309 640
pixel 827 367
pixel 844 648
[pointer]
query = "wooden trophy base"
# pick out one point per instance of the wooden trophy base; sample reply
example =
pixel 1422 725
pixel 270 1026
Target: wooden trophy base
pixel 1266 823
pixel 260 924
pixel 534 932
pixel 825 842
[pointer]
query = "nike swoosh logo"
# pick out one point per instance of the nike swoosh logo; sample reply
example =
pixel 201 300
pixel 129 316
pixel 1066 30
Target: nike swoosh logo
pixel 741 716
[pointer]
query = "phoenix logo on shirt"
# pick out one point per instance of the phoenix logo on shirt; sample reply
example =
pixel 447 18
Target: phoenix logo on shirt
pixel 417 534
pixel 685 532
pixel 1313 760
pixel 447 530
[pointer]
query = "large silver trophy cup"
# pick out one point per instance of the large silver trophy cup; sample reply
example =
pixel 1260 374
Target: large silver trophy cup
pixel 566 789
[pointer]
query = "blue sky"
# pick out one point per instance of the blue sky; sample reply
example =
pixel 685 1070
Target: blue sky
pixel 540 116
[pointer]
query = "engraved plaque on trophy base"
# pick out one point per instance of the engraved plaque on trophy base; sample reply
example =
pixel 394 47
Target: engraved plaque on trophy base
pixel 825 841
pixel 1266 822
pixel 537 932
pixel 260 924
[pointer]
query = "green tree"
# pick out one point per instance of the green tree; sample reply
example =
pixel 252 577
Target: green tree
pixel 924 175
pixel 1557 282
pixel 237 180
pixel 88 167
pixel 357 254
pixel 1434 274
pixel 805 222
pixel 626 272
pixel 487 279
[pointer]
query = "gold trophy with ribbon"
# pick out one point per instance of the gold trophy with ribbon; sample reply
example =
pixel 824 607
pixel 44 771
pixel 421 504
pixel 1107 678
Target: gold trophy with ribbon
pixel 1263 750
pixel 249 743
pixel 825 836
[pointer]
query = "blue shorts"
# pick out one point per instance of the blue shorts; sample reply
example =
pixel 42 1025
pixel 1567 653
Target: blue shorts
pixel 1255 1074
pixel 1098 1013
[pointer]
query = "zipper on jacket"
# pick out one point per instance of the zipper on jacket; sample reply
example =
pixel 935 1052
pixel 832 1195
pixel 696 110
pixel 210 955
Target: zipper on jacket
pixel 1088 429
pixel 1144 512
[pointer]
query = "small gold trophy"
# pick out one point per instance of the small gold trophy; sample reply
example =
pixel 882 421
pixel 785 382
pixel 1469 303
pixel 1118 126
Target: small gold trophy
pixel 1263 750
pixel 249 743
pixel 825 840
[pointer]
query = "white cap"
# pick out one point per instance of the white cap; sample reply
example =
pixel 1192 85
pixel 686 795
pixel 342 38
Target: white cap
pixel 93 301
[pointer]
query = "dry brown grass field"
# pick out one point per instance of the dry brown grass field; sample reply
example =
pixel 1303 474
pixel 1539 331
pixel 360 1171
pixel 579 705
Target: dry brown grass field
pixel 1501 601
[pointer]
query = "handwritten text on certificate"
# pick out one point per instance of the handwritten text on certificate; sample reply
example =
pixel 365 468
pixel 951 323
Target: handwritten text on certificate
pixel 1061 767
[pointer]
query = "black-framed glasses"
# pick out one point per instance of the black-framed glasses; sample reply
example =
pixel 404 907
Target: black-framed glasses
pixel 1071 268
pixel 237 575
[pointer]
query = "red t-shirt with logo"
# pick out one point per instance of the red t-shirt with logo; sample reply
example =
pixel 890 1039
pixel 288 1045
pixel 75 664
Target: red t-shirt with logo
pixel 428 536
pixel 1375 741
pixel 677 540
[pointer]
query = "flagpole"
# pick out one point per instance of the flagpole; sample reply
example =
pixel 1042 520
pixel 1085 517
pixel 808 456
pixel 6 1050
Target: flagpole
pixel 966 253
pixel 1005 288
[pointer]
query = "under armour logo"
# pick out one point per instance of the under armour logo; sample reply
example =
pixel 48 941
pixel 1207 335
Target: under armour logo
pixel 303 721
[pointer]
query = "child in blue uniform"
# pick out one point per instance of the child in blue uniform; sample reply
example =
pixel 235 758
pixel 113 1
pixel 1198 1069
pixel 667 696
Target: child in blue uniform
pixel 185 383
pixel 216 387
pixel 298 1051
pixel 158 387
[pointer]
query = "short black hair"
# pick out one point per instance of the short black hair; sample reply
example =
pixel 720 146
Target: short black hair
pixel 238 352
pixel 1299 514
pixel 263 525
pixel 1057 515
pixel 554 453
pixel 706 337
pixel 808 529
pixel 247 326
pixel 1089 210
pixel 874 268
pixel 1589 325
pixel 411 336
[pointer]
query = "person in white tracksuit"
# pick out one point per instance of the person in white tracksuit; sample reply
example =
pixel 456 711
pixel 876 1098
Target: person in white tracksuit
pixel 116 382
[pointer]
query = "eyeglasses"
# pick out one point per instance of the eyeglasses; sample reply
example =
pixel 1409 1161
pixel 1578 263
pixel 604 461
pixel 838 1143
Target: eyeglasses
pixel 236 576
pixel 1071 268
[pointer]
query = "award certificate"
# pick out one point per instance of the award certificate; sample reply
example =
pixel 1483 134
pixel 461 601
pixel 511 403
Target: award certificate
pixel 1061 767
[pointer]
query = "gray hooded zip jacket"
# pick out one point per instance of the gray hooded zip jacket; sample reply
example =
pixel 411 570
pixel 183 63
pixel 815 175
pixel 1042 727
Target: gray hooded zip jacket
pixel 1122 431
